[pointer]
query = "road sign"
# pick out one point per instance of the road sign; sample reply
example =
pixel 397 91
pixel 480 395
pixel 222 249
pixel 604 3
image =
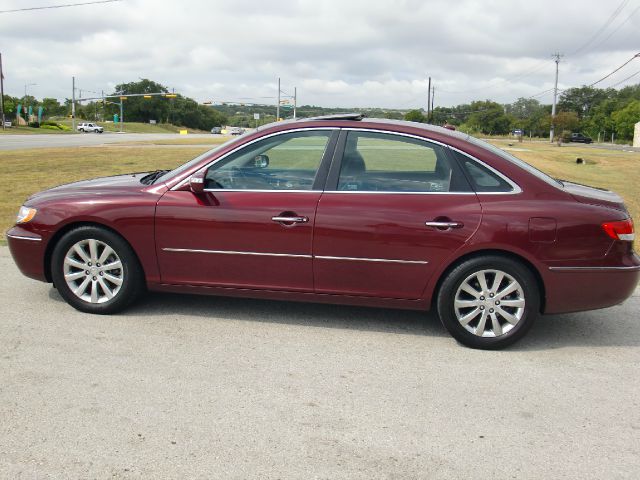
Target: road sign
pixel 256 116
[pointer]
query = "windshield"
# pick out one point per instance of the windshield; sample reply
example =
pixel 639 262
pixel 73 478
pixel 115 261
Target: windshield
pixel 513 159
pixel 186 166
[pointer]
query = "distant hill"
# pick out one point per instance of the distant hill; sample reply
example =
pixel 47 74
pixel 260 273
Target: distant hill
pixel 241 115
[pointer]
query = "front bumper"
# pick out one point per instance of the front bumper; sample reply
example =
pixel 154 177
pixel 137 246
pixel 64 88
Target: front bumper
pixel 28 250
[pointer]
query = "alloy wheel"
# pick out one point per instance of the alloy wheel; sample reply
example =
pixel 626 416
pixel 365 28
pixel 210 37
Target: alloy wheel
pixel 489 303
pixel 93 271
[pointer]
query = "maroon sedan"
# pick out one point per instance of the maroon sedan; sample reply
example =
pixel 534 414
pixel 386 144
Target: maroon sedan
pixel 345 210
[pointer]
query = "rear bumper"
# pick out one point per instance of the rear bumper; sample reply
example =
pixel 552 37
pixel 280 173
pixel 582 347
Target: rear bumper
pixel 27 249
pixel 576 289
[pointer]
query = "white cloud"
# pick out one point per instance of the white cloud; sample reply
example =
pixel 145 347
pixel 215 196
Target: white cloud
pixel 338 53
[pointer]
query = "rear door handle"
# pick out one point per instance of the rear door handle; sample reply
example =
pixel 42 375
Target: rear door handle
pixel 280 219
pixel 444 225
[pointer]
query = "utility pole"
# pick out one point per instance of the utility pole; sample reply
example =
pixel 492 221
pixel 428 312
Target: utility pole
pixel 433 97
pixel 278 106
pixel 73 104
pixel 121 115
pixel 429 100
pixel 295 101
pixel 2 94
pixel 555 97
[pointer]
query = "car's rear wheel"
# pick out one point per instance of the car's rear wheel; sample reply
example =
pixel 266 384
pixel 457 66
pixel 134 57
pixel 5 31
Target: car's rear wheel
pixel 488 302
pixel 96 271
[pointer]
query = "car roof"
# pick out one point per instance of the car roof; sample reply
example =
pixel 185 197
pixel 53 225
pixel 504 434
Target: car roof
pixel 342 120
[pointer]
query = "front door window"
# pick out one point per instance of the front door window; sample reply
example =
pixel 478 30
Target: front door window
pixel 284 162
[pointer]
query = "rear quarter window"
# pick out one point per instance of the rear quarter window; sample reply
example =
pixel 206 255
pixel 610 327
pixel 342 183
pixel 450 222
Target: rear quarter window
pixel 482 178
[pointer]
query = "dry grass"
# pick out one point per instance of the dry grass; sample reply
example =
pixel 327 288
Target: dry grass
pixel 212 140
pixel 26 171
pixel 615 170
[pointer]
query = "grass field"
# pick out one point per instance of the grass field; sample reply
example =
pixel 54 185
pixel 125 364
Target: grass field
pixel 24 172
pixel 212 140
pixel 615 170
pixel 129 127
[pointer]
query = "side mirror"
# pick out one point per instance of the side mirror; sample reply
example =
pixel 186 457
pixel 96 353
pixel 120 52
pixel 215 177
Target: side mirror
pixel 261 161
pixel 196 182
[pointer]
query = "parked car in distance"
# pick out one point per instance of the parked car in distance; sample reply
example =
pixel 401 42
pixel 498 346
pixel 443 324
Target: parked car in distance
pixel 216 130
pixel 580 138
pixel 236 131
pixel 90 127
pixel 341 209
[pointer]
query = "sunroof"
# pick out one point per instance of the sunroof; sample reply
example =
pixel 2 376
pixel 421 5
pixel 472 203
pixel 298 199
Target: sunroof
pixel 339 116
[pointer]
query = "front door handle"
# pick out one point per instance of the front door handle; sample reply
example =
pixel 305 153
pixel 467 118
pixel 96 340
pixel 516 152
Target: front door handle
pixel 282 219
pixel 444 225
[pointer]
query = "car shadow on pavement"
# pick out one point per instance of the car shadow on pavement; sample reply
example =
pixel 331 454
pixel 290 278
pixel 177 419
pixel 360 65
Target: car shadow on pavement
pixel 409 322
pixel 610 327
pixel 615 326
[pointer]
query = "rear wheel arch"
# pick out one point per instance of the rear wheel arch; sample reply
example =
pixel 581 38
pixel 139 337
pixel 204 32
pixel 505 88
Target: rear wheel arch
pixel 51 245
pixel 491 252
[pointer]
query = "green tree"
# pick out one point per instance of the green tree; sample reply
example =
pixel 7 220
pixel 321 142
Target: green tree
pixel 415 116
pixel 52 107
pixel 529 115
pixel 564 123
pixel 178 110
pixel 625 120
pixel 581 100
pixel 489 118
pixel 10 104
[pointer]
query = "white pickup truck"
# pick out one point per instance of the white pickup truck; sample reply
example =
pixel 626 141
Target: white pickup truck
pixel 90 127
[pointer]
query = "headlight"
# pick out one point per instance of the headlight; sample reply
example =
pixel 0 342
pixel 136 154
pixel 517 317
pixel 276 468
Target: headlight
pixel 26 214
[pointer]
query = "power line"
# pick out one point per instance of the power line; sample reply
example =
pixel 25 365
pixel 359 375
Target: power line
pixel 607 76
pixel 536 67
pixel 601 30
pixel 622 81
pixel 618 27
pixel 59 6
pixel 544 92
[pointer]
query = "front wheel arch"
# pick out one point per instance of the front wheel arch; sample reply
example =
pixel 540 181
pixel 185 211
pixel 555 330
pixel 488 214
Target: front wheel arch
pixel 491 252
pixel 51 245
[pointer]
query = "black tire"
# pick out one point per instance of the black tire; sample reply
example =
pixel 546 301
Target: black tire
pixel 131 273
pixel 509 333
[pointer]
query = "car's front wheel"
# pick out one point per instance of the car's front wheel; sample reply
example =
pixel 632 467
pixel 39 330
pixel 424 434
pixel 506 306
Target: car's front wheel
pixel 488 302
pixel 96 271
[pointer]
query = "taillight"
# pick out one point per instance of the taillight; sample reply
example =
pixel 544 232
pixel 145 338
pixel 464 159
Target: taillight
pixel 622 230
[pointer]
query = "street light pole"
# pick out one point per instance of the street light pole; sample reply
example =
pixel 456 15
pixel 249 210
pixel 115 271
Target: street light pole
pixel 73 104
pixel 555 96
pixel 278 107
pixel 295 101
pixel 2 94
pixel 121 115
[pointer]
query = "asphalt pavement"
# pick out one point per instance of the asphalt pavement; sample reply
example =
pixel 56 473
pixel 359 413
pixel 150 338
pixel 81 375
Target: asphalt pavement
pixel 19 142
pixel 205 387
